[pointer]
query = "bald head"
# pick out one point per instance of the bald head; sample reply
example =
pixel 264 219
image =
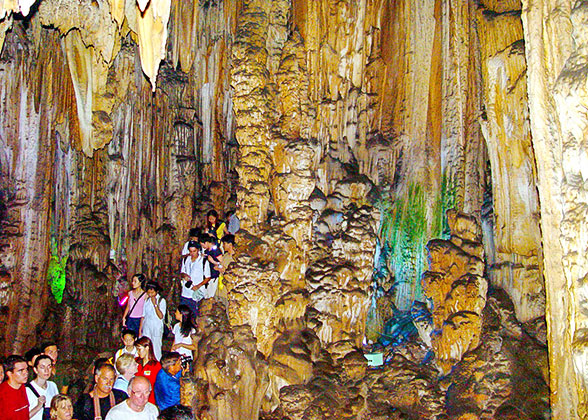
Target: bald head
pixel 139 390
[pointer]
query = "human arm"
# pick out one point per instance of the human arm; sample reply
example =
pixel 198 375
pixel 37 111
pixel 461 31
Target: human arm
pixel 127 309
pixel 40 405
pixel 156 304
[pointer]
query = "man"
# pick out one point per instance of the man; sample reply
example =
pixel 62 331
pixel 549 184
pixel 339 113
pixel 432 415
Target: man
pixel 50 349
pixel 193 235
pixel 195 273
pixel 228 245
pixel 137 407
pixel 167 384
pixel 212 253
pixel 14 404
pixel 102 394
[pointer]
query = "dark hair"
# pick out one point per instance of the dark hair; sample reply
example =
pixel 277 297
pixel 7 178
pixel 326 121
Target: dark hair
pixel 207 238
pixel 30 355
pixel 229 238
pixel 142 279
pixel 212 213
pixel 146 342
pixel 100 363
pixel 194 232
pixel 11 361
pixel 169 359
pixel 42 357
pixel 48 344
pixel 176 412
pixel 186 324
pixel 130 332
pixel 153 285
pixel 194 244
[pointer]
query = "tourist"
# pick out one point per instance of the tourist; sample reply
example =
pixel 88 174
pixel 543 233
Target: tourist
pixel 215 227
pixel 30 356
pixel 228 247
pixel 14 404
pixel 177 412
pixel 40 391
pixel 183 332
pixel 134 309
pixel 212 253
pixel 137 407
pixel 127 367
pixel 153 314
pixel 167 385
pixel 148 365
pixel 102 398
pixel 195 274
pixel 128 338
pixel 61 408
pixel 233 223
pixel 193 235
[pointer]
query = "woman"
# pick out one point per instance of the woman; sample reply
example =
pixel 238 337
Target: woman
pixel 134 309
pixel 61 408
pixel 148 367
pixel 41 390
pixel 215 227
pixel 183 332
pixel 152 320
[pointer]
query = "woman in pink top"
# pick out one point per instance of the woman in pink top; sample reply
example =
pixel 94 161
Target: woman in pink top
pixel 134 310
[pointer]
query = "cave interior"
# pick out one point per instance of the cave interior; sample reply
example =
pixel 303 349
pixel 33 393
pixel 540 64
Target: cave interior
pixel 408 174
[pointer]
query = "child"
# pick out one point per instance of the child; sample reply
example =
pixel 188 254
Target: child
pixel 128 338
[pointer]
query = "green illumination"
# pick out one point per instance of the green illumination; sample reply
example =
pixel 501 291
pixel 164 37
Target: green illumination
pixel 407 226
pixel 56 276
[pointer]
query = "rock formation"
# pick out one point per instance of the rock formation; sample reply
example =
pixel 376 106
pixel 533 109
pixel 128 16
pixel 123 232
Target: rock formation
pixel 342 133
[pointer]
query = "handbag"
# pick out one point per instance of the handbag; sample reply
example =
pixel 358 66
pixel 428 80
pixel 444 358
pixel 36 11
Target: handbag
pixel 133 307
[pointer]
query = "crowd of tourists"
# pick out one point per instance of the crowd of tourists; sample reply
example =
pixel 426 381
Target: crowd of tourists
pixel 140 381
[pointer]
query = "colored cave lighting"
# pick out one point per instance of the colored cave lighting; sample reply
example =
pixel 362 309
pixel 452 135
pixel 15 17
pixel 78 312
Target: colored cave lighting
pixel 122 301
pixel 56 276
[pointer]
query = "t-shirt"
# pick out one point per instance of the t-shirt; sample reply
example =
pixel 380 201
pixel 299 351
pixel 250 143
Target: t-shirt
pixel 122 411
pixel 121 384
pixel 138 309
pixel 84 407
pixel 215 253
pixel 182 339
pixel 234 224
pixel 49 393
pixel 167 389
pixel 14 404
pixel 150 371
pixel 197 270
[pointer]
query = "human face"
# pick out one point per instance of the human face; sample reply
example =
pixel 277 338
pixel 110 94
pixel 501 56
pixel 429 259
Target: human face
pixel 178 316
pixel 133 369
pixel 52 352
pixel 175 368
pixel 151 293
pixel 135 283
pixel 104 381
pixel 19 374
pixel 193 252
pixel 64 410
pixel 43 369
pixel 1 373
pixel 128 340
pixel 212 219
pixel 142 351
pixel 139 394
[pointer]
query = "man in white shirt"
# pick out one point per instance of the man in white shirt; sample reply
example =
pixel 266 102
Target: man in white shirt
pixel 137 407
pixel 195 273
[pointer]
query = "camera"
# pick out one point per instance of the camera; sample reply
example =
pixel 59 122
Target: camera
pixel 189 284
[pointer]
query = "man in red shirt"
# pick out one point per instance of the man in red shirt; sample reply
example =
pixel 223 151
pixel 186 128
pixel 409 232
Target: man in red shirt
pixel 14 404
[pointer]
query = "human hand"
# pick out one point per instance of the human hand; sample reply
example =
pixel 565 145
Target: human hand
pixel 41 401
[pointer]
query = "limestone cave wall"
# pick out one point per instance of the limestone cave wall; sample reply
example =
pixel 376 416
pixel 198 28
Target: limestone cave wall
pixel 344 133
